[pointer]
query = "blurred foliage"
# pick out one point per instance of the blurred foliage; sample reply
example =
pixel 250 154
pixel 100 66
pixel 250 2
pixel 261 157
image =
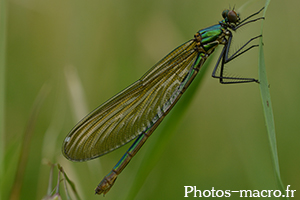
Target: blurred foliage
pixel 221 140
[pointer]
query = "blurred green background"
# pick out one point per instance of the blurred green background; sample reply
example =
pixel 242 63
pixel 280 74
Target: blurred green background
pixel 83 52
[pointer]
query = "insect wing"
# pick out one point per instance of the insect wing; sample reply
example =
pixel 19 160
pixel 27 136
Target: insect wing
pixel 132 111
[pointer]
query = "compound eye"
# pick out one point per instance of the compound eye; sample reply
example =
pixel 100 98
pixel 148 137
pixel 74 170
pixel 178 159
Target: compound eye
pixel 232 16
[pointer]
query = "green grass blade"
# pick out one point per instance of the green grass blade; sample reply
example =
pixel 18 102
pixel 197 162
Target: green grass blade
pixel 2 87
pixel 71 184
pixel 267 107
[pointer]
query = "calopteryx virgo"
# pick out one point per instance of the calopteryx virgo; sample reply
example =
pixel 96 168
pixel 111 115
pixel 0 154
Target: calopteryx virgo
pixel 135 112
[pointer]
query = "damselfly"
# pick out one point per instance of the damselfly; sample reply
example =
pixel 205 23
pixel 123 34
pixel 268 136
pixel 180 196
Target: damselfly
pixel 135 112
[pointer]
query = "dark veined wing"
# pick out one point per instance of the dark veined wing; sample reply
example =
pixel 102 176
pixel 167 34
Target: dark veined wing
pixel 132 111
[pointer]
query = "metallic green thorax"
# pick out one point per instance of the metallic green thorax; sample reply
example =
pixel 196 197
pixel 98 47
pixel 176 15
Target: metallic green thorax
pixel 209 38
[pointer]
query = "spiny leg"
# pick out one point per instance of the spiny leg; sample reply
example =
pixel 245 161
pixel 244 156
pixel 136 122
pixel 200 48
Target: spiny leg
pixel 226 59
pixel 238 53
